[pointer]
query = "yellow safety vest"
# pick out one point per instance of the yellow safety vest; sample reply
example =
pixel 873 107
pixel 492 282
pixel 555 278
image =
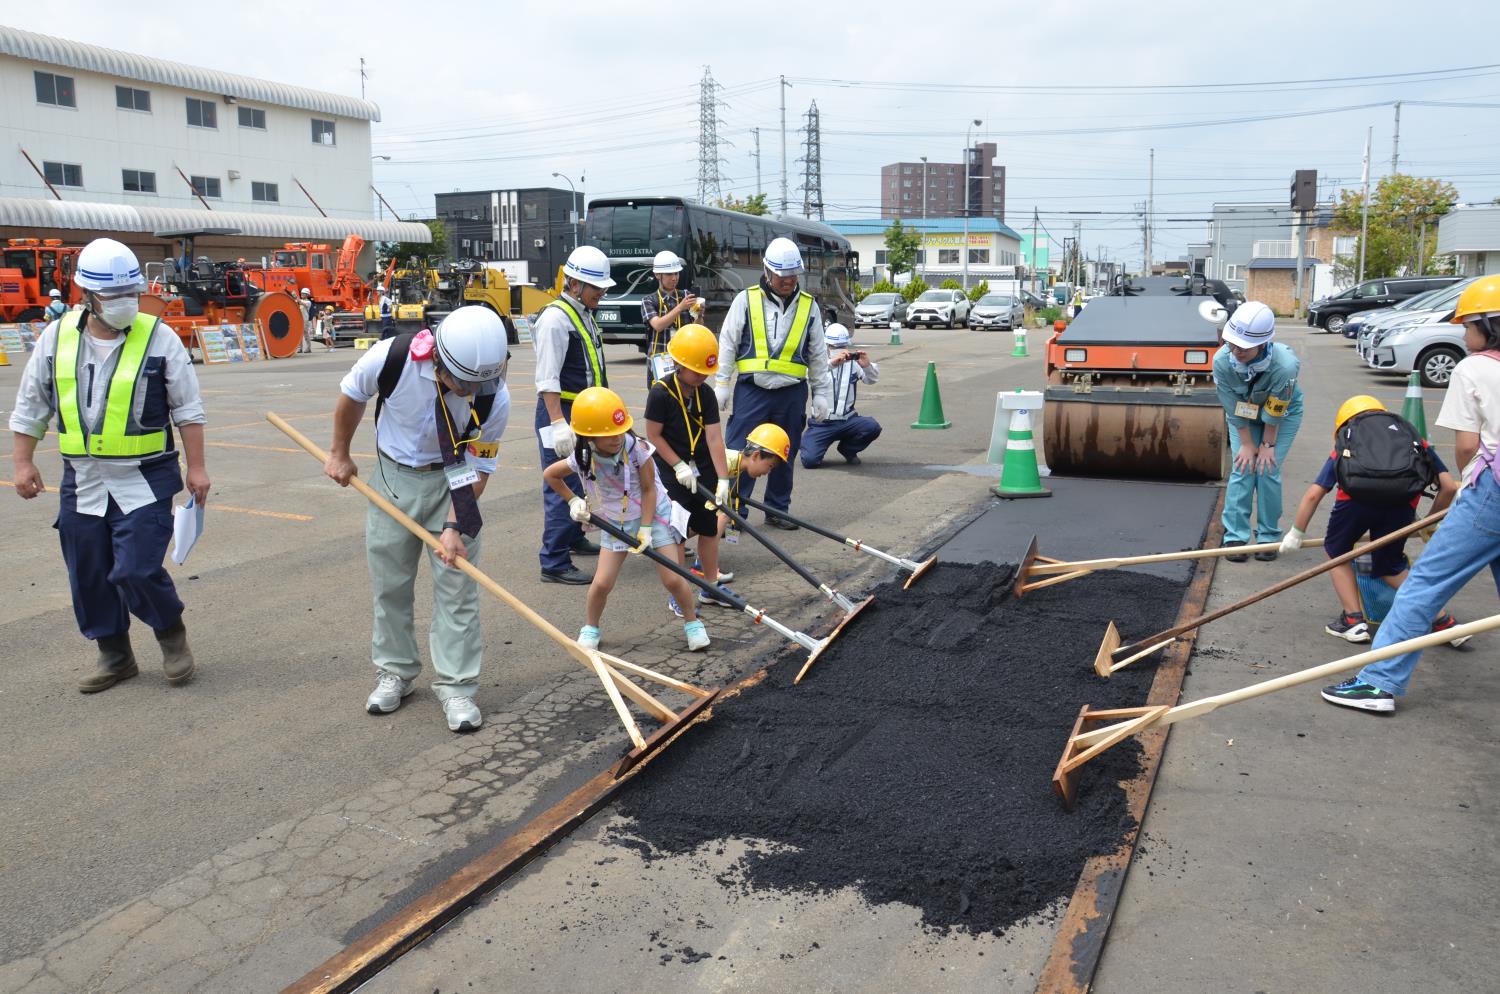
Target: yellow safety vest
pixel 596 365
pixel 119 436
pixel 761 361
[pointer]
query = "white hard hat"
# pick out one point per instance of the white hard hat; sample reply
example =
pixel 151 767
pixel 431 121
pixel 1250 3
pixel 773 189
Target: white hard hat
pixel 783 258
pixel 1251 325
pixel 666 262
pixel 471 343
pixel 588 264
pixel 836 334
pixel 55 292
pixel 105 264
pixel 381 288
pixel 306 292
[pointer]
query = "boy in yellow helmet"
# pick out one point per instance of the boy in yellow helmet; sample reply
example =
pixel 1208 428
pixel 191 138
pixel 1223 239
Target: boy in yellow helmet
pixel 766 447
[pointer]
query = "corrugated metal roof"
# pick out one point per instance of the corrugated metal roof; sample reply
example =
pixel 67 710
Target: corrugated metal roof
pixel 1469 229
pixel 946 225
pixel 127 65
pixel 22 212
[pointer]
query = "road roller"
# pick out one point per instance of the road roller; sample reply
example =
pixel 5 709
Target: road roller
pixel 1130 388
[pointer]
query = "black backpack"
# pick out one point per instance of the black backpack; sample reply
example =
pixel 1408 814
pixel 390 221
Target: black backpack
pixel 1381 460
pixel 395 363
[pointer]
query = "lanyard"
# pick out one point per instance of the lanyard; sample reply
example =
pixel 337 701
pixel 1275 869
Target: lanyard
pixel 686 417
pixel 454 442
pixel 661 308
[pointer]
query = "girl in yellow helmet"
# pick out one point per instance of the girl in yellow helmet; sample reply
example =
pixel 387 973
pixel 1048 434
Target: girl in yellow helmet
pixel 617 473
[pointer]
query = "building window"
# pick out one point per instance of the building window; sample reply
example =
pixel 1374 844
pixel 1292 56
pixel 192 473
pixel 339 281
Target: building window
pixel 947 257
pixel 1231 272
pixel 138 181
pixel 264 193
pixel 906 183
pixel 207 186
pixel 202 113
pixel 63 173
pixel 253 117
pixel 129 98
pixel 528 211
pixel 979 257
pixel 322 132
pixel 54 89
pixel 880 256
pixel 905 196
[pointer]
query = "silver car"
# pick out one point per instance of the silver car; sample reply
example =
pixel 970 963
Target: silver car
pixel 879 309
pixel 997 310
pixel 1433 305
pixel 1431 345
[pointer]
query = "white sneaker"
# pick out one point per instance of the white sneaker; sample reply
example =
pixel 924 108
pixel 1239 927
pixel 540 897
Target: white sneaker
pixel 389 691
pixel 463 714
pixel 588 637
pixel 697 635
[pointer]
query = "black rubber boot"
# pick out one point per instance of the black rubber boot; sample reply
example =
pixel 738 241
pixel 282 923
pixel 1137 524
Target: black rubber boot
pixel 116 663
pixel 176 657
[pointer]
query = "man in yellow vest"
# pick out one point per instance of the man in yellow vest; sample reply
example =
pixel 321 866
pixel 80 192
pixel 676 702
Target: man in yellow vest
pixel 117 381
pixel 773 338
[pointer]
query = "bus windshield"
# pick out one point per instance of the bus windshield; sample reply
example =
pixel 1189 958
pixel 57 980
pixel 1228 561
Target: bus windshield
pixel 629 230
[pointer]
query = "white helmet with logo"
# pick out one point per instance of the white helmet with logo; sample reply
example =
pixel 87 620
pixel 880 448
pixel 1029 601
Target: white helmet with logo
pixel 836 335
pixel 588 264
pixel 106 266
pixel 471 343
pixel 1251 325
pixel 55 293
pixel 666 262
pixel 783 258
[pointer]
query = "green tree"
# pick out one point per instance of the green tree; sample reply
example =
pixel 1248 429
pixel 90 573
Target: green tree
pixel 883 286
pixel 417 255
pixel 914 289
pixel 753 204
pixel 950 284
pixel 1404 212
pixel 901 247
pixel 979 291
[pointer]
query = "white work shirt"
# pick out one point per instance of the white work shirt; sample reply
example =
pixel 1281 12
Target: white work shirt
pixel 778 326
pixel 1472 403
pixel 98 480
pixel 846 377
pixel 550 335
pixel 407 431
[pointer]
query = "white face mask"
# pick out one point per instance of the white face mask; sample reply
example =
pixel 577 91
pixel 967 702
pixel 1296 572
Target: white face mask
pixel 118 312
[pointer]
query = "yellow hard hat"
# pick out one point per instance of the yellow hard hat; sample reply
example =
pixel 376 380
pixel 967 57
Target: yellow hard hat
pixel 1478 299
pixel 599 411
pixel 1355 405
pixel 695 347
pixel 772 438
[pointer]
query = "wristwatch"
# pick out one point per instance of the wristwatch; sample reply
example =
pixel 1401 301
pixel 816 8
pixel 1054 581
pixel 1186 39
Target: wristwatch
pixel 451 524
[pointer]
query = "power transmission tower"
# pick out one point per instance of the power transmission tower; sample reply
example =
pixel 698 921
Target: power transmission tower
pixel 812 165
pixel 709 181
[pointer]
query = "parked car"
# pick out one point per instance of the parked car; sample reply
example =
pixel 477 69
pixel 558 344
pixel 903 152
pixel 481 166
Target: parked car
pixel 997 310
pixel 1431 346
pixel 1032 300
pixel 1435 305
pixel 1331 313
pixel 949 308
pixel 1432 300
pixel 879 309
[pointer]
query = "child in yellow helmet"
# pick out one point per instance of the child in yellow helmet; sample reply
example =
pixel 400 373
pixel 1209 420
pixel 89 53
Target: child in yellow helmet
pixel 618 475
pixel 766 447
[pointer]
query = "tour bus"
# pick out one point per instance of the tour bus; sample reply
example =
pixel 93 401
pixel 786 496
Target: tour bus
pixel 721 252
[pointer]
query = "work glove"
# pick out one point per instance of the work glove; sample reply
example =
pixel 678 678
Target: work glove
pixel 721 494
pixel 642 540
pixel 721 393
pixel 1425 534
pixel 563 439
pixel 684 474
pixel 819 409
pixel 578 510
pixel 1292 540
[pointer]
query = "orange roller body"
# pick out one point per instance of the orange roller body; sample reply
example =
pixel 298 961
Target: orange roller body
pixel 280 317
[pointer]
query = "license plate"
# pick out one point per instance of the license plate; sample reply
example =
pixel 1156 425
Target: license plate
pixel 607 317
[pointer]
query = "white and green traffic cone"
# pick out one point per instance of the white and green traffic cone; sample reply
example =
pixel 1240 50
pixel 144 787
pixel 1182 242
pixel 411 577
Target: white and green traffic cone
pixel 1020 476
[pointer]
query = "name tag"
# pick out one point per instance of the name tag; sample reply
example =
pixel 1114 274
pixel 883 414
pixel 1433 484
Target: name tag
pixel 460 475
pixel 662 366
pixel 731 533
pixel 1245 409
pixel 483 450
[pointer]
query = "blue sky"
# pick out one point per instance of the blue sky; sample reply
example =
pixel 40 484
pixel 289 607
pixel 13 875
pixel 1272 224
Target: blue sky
pixel 481 95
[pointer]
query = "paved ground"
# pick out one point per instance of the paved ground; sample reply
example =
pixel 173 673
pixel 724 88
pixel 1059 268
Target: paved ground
pixel 229 835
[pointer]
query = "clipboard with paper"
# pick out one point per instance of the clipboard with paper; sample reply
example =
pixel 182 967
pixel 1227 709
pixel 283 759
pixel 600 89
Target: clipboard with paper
pixel 187 525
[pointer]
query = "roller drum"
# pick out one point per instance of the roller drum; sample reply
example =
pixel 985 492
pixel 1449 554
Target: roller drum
pixel 1141 433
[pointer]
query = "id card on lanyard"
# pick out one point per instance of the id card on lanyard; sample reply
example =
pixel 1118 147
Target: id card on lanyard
pixel 460 474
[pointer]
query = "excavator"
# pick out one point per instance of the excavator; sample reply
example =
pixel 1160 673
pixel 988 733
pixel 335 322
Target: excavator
pixel 1130 389
pixel 30 268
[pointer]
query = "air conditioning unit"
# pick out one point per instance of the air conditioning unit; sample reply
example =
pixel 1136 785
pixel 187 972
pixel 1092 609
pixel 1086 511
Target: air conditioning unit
pixel 234 174
pixel 538 243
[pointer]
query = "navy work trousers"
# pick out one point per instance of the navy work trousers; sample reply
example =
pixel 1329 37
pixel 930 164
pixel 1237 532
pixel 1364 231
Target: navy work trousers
pixel 559 532
pixel 115 566
pixel 853 435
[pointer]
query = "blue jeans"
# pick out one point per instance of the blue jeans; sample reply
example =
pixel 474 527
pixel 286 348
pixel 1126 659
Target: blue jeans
pixel 559 532
pixel 1261 489
pixel 1467 541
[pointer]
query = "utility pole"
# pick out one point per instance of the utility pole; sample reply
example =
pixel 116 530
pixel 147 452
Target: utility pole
pixel 1077 254
pixel 964 252
pixel 1150 208
pixel 782 91
pixel 1364 210
pixel 1297 233
pixel 1036 285
pixel 362 77
pixel 1396 142
pixel 758 188
pixel 923 249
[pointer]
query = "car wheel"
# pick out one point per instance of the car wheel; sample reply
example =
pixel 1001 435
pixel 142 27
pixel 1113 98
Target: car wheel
pixel 1436 365
pixel 1334 325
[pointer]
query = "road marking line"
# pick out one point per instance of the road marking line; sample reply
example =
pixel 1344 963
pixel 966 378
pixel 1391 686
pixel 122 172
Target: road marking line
pixel 264 423
pixel 284 515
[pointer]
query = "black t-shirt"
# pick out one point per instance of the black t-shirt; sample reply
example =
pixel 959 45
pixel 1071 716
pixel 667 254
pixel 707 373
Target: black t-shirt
pixel 702 409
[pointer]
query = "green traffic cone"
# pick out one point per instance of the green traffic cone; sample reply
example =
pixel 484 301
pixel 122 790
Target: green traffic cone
pixel 1019 349
pixel 1020 477
pixel 1411 409
pixel 931 415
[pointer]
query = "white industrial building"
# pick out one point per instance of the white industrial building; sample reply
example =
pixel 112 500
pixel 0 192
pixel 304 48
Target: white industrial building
pixel 994 249
pixel 1471 234
pixel 95 141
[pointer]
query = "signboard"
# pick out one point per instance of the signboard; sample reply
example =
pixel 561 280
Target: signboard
pixel 233 349
pixel 523 329
pixel 18 338
pixel 976 240
pixel 249 340
pixel 211 341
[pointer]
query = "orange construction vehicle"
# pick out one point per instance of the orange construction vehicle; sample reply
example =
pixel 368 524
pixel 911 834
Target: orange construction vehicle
pixel 333 281
pixel 29 269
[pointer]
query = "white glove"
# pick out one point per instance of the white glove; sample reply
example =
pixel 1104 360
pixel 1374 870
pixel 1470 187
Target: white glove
pixel 578 509
pixel 1292 540
pixel 563 439
pixel 685 474
pixel 721 393
pixel 721 494
pixel 819 409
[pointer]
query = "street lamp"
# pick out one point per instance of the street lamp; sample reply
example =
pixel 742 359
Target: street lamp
pixel 571 204
pixel 923 249
pixel 967 132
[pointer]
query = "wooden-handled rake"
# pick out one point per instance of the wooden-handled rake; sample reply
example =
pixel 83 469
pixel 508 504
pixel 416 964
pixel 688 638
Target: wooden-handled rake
pixel 1057 571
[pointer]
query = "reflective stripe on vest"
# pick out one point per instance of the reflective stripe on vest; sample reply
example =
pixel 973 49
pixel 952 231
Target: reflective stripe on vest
pixel 596 366
pixel 761 361
pixel 119 437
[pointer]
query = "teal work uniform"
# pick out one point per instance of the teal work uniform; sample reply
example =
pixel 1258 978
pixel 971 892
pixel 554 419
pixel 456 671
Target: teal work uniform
pixel 1271 396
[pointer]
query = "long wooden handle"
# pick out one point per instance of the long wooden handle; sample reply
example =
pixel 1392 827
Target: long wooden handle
pixel 1089 565
pixel 1288 583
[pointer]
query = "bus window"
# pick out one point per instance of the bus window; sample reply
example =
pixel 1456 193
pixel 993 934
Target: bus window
pixel 739 234
pixel 632 232
pixel 668 228
pixel 599 226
